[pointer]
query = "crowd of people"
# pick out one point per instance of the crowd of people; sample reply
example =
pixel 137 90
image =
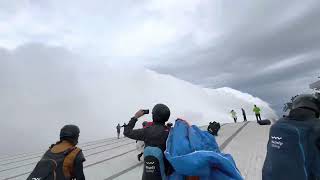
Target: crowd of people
pixel 293 150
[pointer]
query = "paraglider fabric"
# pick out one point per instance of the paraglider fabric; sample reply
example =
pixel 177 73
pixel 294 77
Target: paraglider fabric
pixel 193 152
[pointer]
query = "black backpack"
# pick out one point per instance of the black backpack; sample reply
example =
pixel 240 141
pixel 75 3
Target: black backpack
pixel 154 167
pixel 53 166
pixel 213 128
pixel 292 151
pixel 264 122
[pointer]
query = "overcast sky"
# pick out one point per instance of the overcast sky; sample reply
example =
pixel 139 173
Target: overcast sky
pixel 268 48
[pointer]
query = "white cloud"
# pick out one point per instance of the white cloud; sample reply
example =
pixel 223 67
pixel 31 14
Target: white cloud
pixel 107 27
pixel 288 63
pixel 209 42
pixel 143 38
pixel 44 88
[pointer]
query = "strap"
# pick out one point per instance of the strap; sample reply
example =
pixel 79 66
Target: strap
pixel 55 168
pixel 192 178
pixel 68 162
pixel 51 146
pixel 69 150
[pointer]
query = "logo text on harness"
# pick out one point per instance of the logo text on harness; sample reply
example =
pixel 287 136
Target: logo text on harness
pixel 276 138
pixel 276 142
pixel 150 167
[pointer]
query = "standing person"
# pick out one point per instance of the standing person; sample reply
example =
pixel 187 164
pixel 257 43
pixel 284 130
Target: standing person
pixel 234 115
pixel 118 130
pixel 257 110
pixel 63 160
pixel 155 137
pixel 244 114
pixel 293 150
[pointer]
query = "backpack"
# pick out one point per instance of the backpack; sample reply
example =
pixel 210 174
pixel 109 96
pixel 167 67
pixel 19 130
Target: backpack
pixel 213 128
pixel 264 122
pixel 292 151
pixel 55 166
pixel 153 164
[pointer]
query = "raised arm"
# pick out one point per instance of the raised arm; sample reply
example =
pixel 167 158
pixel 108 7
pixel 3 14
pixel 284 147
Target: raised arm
pixel 137 134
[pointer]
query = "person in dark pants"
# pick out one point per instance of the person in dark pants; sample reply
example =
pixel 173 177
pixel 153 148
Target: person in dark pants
pixel 155 135
pixel 244 114
pixel 65 155
pixel 257 110
pixel 234 115
pixel 118 130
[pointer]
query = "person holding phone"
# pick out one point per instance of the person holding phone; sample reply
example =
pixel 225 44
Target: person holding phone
pixel 153 136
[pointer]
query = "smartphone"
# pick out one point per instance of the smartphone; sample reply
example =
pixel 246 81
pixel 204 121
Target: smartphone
pixel 146 111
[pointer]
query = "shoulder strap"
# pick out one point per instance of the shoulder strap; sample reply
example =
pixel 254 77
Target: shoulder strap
pixel 68 162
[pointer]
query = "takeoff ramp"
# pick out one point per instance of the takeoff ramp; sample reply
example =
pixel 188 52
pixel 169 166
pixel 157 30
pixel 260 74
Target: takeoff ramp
pixel 117 159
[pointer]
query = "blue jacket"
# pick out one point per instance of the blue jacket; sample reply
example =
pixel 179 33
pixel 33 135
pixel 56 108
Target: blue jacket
pixel 193 152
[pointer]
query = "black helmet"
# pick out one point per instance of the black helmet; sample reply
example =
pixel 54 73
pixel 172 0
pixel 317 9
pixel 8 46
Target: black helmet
pixel 307 101
pixel 160 113
pixel 70 133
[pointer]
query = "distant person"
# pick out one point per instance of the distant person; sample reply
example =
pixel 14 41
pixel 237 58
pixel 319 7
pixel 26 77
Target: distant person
pixel 155 138
pixel 244 114
pixel 257 110
pixel 118 130
pixel 293 150
pixel 63 160
pixel 234 115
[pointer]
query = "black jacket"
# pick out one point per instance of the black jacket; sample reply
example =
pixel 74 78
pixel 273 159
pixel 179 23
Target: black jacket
pixel 155 136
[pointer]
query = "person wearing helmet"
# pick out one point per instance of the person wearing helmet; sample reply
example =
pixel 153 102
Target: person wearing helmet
pixel 293 150
pixel 65 155
pixel 306 104
pixel 155 135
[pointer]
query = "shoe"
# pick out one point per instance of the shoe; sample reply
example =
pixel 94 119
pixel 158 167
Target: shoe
pixel 139 156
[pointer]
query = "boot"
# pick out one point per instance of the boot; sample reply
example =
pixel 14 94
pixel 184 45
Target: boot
pixel 139 156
